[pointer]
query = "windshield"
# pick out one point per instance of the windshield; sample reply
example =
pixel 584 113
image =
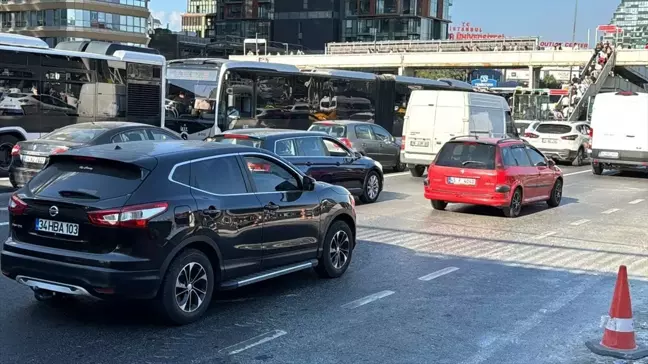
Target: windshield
pixel 191 96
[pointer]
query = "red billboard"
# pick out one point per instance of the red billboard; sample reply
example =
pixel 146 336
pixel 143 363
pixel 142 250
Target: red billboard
pixel 467 31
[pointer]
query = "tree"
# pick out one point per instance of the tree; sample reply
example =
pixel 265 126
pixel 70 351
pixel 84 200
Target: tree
pixel 549 81
pixel 435 74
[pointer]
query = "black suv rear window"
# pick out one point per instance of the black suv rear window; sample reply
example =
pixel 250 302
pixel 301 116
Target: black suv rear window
pixel 337 131
pixel 470 155
pixel 553 129
pixel 86 179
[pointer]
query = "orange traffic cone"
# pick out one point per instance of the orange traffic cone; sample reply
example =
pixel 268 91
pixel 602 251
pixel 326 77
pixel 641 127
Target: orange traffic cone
pixel 619 337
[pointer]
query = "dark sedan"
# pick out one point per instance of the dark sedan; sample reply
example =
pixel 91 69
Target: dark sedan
pixel 29 157
pixel 319 155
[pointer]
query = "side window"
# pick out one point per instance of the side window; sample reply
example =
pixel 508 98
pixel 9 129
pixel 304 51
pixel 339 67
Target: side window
pixel 160 135
pixel 132 136
pixel 507 157
pixel 380 133
pixel 363 132
pixel 335 149
pixel 286 148
pixel 535 156
pixel 511 130
pixel 311 147
pixel 220 176
pixel 520 156
pixel 269 176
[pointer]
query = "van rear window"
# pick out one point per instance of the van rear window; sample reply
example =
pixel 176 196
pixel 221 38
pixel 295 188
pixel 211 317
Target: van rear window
pixel 469 155
pixel 553 129
pixel 86 179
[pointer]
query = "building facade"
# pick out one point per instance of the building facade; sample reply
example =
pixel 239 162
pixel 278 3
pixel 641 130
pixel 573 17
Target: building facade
pixel 121 21
pixel 235 19
pixel 375 20
pixel 195 19
pixel 307 23
pixel 632 17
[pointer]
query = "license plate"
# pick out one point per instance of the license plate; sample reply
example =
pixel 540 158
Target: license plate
pixel 420 143
pixel 57 227
pixel 33 159
pixel 550 141
pixel 461 181
pixel 609 154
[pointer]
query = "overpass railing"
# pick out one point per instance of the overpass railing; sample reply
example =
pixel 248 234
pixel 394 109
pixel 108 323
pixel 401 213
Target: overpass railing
pixel 518 44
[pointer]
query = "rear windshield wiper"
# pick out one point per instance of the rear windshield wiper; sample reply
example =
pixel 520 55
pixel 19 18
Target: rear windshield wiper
pixel 475 162
pixel 78 194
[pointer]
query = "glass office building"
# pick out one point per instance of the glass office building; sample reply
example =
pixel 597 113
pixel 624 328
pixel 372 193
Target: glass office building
pixel 632 17
pixel 121 21
pixel 375 20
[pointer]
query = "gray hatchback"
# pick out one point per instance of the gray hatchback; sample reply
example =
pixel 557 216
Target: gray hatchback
pixel 369 139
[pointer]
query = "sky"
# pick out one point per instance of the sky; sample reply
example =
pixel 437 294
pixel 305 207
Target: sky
pixel 550 19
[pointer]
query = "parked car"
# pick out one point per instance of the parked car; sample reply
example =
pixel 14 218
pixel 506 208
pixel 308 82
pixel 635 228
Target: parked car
pixel 29 157
pixel 368 139
pixel 504 173
pixel 320 156
pixel 21 103
pixel 561 140
pixel 172 222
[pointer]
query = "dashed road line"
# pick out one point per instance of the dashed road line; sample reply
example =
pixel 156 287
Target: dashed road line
pixel 610 211
pixel 545 235
pixel 250 343
pixel 579 222
pixel 437 274
pixel 579 172
pixel 636 201
pixel 368 299
pixel 396 174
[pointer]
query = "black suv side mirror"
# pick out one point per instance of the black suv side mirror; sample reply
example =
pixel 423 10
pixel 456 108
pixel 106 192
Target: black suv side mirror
pixel 308 183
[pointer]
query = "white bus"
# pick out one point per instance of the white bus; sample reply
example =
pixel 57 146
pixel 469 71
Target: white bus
pixel 207 96
pixel 43 88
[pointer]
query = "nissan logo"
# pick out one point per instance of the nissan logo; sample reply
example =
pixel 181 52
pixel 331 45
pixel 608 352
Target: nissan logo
pixel 53 211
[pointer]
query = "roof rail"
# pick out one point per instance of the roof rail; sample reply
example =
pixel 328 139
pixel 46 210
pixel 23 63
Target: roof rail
pixel 465 136
pixel 511 139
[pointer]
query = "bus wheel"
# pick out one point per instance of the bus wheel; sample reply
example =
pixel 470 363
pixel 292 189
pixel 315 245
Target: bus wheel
pixel 7 142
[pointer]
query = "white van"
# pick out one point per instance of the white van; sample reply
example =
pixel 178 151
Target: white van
pixel 434 117
pixel 619 131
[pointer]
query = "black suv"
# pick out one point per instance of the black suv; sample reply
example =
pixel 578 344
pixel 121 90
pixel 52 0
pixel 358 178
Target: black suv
pixel 318 155
pixel 172 221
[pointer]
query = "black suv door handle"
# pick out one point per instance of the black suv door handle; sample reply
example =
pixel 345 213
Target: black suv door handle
pixel 309 164
pixel 211 211
pixel 271 206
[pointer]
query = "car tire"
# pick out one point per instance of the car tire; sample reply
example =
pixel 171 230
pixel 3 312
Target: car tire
pixel 400 166
pixel 597 169
pixel 556 194
pixel 191 269
pixel 580 157
pixel 515 206
pixel 417 171
pixel 372 188
pixel 337 251
pixel 438 205
pixel 7 142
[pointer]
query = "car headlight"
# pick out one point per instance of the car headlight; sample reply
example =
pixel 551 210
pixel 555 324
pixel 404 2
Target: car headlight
pixel 379 165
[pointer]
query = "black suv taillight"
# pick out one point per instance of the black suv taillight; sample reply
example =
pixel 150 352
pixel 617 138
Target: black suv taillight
pixel 16 205
pixel 135 216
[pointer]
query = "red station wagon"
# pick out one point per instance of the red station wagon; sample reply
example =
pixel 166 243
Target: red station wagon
pixel 504 173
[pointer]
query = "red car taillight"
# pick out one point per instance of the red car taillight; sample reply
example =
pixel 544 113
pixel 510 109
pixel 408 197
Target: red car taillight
pixel 15 150
pixel 403 143
pixel 530 135
pixel 60 150
pixel 346 142
pixel 136 216
pixel 569 137
pixel 16 205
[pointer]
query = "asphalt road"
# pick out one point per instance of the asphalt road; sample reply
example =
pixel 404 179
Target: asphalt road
pixel 464 285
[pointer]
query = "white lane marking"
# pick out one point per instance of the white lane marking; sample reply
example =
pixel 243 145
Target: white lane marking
pixel 250 343
pixel 610 211
pixel 4 223
pixel 579 172
pixel 636 201
pixel 4 179
pixel 438 274
pixel 396 174
pixel 372 297
pixel 579 222
pixel 545 235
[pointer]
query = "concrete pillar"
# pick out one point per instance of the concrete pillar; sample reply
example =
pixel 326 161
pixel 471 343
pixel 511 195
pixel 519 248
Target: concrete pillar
pixel 404 71
pixel 534 77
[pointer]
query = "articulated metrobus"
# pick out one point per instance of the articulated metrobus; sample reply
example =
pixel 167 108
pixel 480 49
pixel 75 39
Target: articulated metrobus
pixel 207 96
pixel 43 88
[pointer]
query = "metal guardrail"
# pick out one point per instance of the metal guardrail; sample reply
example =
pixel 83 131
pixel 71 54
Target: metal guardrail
pixel 531 43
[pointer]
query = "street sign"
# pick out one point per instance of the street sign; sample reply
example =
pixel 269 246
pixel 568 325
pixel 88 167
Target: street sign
pixel 484 81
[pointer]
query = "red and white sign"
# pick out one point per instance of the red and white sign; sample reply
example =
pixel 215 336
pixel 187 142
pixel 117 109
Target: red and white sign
pixel 466 31
pixel 563 44
pixel 609 29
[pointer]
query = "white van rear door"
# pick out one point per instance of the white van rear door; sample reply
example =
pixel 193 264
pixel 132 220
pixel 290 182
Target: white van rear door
pixel 621 125
pixel 421 116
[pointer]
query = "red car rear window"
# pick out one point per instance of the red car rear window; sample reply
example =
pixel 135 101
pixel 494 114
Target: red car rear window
pixel 467 155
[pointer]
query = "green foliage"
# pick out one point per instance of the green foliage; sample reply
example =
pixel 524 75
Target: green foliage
pixel 435 74
pixel 549 81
